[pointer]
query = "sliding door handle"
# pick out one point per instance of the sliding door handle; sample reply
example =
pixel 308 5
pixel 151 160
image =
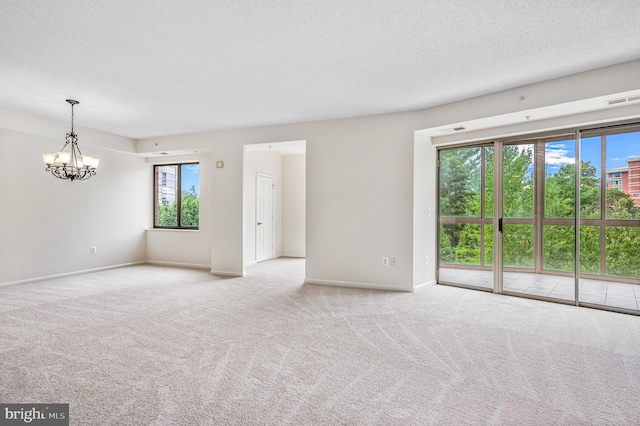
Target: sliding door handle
pixel 500 225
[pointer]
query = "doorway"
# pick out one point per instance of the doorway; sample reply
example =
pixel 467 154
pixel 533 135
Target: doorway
pixel 285 164
pixel 264 217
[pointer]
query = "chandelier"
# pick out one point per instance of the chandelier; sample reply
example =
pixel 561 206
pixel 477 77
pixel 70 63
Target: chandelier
pixel 71 164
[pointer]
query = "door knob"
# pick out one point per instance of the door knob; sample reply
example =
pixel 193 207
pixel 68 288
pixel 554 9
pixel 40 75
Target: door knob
pixel 259 223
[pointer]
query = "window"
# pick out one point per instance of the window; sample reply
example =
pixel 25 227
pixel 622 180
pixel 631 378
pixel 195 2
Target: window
pixel 616 182
pixel 616 175
pixel 176 196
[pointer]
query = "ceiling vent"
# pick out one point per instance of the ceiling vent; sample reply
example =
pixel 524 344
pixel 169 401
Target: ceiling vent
pixel 618 101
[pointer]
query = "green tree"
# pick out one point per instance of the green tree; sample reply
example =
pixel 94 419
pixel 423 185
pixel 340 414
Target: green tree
pixel 460 182
pixel 518 181
pixel 488 181
pixel 468 248
pixel 459 196
pixel 558 240
pixel 168 214
pixel 622 242
pixel 622 248
pixel 620 205
pixel 444 245
pixel 590 249
pixel 189 214
pixel 589 191
pixel 517 202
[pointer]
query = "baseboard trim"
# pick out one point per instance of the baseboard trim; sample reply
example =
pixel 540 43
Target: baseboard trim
pixel 179 264
pixel 227 273
pixel 70 274
pixel 352 284
pixel 426 284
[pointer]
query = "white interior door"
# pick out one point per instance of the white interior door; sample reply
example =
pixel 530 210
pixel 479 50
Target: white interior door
pixel 264 217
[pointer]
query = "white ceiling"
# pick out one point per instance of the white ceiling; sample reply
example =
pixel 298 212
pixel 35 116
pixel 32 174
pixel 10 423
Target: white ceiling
pixel 161 67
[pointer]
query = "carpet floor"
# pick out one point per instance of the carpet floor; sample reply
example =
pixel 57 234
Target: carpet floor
pixel 152 345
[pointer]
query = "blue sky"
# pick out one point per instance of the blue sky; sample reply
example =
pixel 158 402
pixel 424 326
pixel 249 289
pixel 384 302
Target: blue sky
pixel 191 176
pixel 620 148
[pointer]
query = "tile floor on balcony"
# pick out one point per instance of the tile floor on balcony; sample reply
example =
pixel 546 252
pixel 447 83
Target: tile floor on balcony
pixel 613 294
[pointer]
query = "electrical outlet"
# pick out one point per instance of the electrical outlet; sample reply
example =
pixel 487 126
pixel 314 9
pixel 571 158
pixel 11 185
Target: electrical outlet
pixel 426 260
pixel 385 261
pixel 93 250
pixel 393 261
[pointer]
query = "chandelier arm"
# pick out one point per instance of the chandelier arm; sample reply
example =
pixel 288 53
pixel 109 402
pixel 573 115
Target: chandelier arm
pixel 56 172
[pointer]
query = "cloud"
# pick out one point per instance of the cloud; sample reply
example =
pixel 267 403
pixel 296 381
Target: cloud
pixel 193 168
pixel 558 155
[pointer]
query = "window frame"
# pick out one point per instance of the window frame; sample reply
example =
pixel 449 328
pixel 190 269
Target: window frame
pixel 157 201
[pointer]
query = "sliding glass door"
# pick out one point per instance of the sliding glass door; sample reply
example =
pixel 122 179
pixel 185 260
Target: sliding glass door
pixel 610 219
pixel 508 212
pixel 538 218
pixel 466 216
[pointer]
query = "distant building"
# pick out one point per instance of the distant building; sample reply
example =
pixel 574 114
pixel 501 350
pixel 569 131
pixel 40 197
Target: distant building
pixel 167 184
pixel 618 179
pixel 626 179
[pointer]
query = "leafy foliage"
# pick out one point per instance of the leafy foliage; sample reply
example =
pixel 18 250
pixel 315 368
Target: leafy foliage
pixel 460 182
pixel 190 207
pixel 168 214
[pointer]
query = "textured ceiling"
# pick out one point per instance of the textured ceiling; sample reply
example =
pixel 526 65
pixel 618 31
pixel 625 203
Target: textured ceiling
pixel 160 67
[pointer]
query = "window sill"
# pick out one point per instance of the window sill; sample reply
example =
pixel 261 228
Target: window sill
pixel 173 230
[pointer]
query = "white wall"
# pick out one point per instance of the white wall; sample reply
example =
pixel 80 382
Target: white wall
pixel 365 201
pixel 227 221
pixel 48 225
pixel 185 247
pixel 359 202
pixel 268 163
pixel 294 196
pixel 359 176
pixel 367 189
pixel 424 211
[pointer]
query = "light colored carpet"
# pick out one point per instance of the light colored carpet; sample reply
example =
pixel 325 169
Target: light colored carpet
pixel 158 345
